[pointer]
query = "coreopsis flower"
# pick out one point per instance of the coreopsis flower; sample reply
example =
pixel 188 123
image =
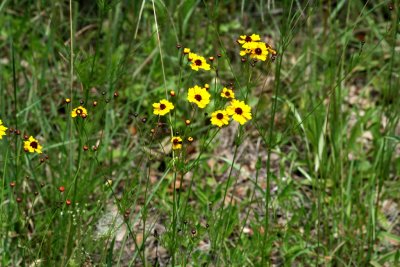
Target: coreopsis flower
pixel 248 38
pixel 198 62
pixel 239 111
pixel 219 118
pixel 257 50
pixel 227 93
pixel 186 50
pixel 199 96
pixel 2 130
pixel 163 107
pixel 176 142
pixel 79 112
pixel 244 52
pixel 32 145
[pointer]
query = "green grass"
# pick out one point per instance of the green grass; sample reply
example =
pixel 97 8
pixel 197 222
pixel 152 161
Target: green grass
pixel 311 180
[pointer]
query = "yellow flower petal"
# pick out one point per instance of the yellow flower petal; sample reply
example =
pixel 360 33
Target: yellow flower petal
pixel 239 111
pixel 163 107
pixel 219 118
pixel 176 142
pixel 199 96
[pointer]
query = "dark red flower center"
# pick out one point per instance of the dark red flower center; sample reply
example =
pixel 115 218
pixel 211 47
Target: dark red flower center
pixel 162 106
pixel 238 111
pixel 198 97
pixel 258 51
pixel 34 144
pixel 227 93
pixel 248 39
pixel 177 142
pixel 220 116
pixel 197 62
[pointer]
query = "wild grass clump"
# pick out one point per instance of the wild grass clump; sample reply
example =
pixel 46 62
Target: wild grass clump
pixel 191 133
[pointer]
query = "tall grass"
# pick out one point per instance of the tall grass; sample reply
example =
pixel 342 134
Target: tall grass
pixel 311 180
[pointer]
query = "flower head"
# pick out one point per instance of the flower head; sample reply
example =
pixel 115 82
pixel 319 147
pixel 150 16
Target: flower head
pixel 219 118
pixel 163 107
pixel 248 38
pixel 271 50
pixel 32 145
pixel 257 50
pixel 176 142
pixel 80 112
pixel 199 96
pixel 239 111
pixel 227 93
pixel 186 50
pixel 198 62
pixel 2 130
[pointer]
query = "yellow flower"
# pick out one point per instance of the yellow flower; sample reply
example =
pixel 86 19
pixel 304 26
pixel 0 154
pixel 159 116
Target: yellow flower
pixel 198 62
pixel 190 139
pixel 163 107
pixel 79 111
pixel 176 142
pixel 245 52
pixel 257 50
pixel 32 145
pixel 220 118
pixel 227 93
pixel 247 39
pixel 2 130
pixel 199 96
pixel 239 111
pixel 186 50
